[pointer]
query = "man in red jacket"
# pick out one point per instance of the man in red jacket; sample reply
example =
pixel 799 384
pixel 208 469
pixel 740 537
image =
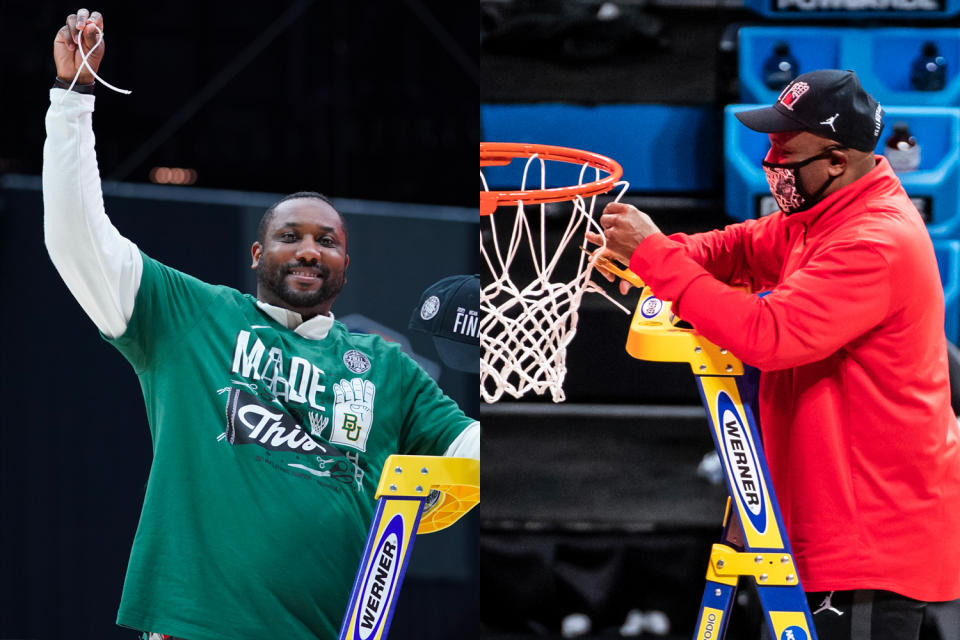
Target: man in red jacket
pixel 854 405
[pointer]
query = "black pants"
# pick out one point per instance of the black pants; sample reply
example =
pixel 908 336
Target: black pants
pixel 864 615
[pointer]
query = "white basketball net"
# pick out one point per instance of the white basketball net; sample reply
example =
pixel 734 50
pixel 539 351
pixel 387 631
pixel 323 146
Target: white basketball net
pixel 525 327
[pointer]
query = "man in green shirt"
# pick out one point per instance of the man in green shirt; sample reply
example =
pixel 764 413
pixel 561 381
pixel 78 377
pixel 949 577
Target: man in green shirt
pixel 270 421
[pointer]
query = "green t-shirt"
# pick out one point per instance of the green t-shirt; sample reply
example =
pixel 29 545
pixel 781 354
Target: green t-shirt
pixel 267 449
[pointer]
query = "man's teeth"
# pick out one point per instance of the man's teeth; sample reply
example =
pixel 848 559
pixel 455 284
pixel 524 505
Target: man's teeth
pixel 306 274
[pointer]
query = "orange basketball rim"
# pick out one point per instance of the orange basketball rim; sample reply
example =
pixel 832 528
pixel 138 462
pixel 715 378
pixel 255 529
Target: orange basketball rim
pixel 502 153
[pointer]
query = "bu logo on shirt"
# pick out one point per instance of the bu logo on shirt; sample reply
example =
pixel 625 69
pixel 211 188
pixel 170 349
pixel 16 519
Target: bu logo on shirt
pixel 352 412
pixel 351 427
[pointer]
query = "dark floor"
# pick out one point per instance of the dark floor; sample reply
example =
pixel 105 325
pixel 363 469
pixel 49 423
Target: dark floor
pixel 594 508
pixel 596 467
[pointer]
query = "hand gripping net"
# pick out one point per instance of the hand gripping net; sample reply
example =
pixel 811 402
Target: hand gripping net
pixel 530 303
pixel 85 57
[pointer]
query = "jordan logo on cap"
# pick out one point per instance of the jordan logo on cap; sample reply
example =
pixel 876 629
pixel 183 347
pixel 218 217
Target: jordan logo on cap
pixel 793 93
pixel 829 121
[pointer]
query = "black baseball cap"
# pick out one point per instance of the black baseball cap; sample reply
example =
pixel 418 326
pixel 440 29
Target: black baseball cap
pixel 829 103
pixel 449 310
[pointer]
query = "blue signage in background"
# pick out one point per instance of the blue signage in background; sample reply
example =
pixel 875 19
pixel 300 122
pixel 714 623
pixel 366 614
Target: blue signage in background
pixel 662 148
pixel 855 9
pixel 885 59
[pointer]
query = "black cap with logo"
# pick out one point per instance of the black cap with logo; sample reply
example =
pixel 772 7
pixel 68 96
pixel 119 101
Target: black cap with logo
pixel 449 310
pixel 829 103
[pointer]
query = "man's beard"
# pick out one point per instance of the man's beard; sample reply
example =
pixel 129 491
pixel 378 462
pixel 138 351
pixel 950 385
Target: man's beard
pixel 273 277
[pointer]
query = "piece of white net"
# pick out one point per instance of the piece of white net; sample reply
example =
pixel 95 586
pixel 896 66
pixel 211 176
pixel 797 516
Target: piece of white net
pixel 530 305
pixel 85 63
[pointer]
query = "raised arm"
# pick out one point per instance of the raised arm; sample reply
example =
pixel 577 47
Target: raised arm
pixel 101 268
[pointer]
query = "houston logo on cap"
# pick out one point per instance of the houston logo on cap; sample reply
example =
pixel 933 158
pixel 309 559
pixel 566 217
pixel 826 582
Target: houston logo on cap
pixel 793 93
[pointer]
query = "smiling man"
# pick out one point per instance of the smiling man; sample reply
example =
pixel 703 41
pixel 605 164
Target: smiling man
pixel 861 440
pixel 270 421
pixel 301 254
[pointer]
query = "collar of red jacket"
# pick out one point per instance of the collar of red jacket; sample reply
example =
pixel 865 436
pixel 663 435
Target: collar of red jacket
pixel 880 179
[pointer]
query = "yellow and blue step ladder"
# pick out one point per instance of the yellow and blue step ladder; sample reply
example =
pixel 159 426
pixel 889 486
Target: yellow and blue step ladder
pixel 416 494
pixel 754 542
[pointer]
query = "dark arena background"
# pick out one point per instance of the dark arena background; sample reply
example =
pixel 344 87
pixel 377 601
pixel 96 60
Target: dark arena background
pixel 234 104
pixel 596 521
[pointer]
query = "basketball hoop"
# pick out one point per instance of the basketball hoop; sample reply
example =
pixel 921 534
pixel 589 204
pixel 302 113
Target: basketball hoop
pixel 502 153
pixel 530 315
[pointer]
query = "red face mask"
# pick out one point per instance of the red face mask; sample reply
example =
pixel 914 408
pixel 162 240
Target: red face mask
pixel 787 187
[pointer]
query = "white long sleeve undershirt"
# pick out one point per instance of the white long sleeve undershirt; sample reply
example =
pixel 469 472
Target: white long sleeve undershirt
pixel 101 268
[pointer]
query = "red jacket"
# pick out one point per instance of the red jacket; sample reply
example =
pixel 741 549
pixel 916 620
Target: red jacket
pixel 855 412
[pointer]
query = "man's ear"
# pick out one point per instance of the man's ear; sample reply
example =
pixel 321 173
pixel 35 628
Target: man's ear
pixel 838 162
pixel 256 250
